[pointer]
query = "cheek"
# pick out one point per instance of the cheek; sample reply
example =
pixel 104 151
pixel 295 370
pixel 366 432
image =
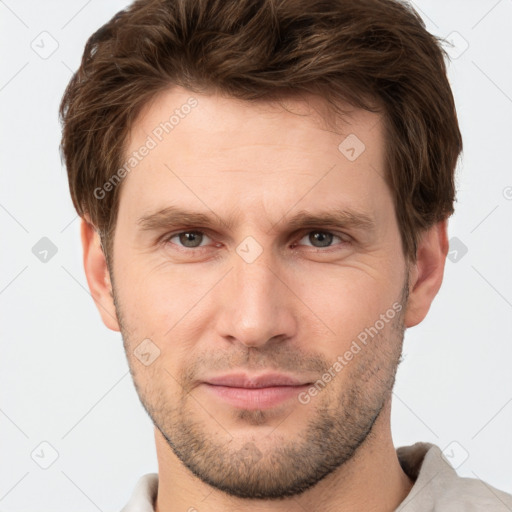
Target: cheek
pixel 347 299
pixel 172 309
pixel 155 295
pixel 166 302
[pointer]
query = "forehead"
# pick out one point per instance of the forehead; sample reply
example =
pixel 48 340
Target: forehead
pixel 212 151
pixel 180 112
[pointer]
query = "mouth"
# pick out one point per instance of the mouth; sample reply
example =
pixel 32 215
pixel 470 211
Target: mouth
pixel 256 391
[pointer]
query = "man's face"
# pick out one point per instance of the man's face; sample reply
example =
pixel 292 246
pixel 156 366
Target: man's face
pixel 247 293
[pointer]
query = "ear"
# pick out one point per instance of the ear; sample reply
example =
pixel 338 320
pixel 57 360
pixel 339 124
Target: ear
pixel 98 277
pixel 426 275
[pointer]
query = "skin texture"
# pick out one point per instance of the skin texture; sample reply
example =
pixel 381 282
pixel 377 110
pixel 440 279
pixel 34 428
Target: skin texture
pixel 295 309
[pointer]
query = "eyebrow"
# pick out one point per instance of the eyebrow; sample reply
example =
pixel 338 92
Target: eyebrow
pixel 173 216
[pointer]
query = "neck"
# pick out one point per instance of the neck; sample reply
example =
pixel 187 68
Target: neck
pixel 372 481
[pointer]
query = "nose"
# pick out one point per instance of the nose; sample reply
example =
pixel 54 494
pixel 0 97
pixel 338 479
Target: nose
pixel 257 306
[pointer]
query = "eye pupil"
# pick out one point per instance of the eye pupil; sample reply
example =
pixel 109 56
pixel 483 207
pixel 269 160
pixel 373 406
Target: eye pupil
pixel 190 238
pixel 323 237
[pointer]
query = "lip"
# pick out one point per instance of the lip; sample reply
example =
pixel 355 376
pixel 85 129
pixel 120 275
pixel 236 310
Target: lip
pixel 255 391
pixel 242 380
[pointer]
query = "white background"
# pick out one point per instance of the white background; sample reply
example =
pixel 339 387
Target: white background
pixel 64 376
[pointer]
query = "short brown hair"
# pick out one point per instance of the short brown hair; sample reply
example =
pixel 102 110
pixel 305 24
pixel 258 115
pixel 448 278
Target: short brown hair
pixel 372 54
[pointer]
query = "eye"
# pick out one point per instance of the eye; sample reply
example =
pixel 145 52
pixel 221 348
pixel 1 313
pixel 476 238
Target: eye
pixel 320 238
pixel 193 239
pixel 188 239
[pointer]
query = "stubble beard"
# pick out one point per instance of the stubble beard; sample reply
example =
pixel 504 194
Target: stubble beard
pixel 250 469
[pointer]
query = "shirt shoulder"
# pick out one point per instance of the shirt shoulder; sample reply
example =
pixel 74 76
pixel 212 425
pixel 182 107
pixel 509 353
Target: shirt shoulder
pixel 144 494
pixel 438 487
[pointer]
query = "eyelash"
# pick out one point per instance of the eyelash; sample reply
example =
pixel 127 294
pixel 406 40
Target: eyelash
pixel 167 239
